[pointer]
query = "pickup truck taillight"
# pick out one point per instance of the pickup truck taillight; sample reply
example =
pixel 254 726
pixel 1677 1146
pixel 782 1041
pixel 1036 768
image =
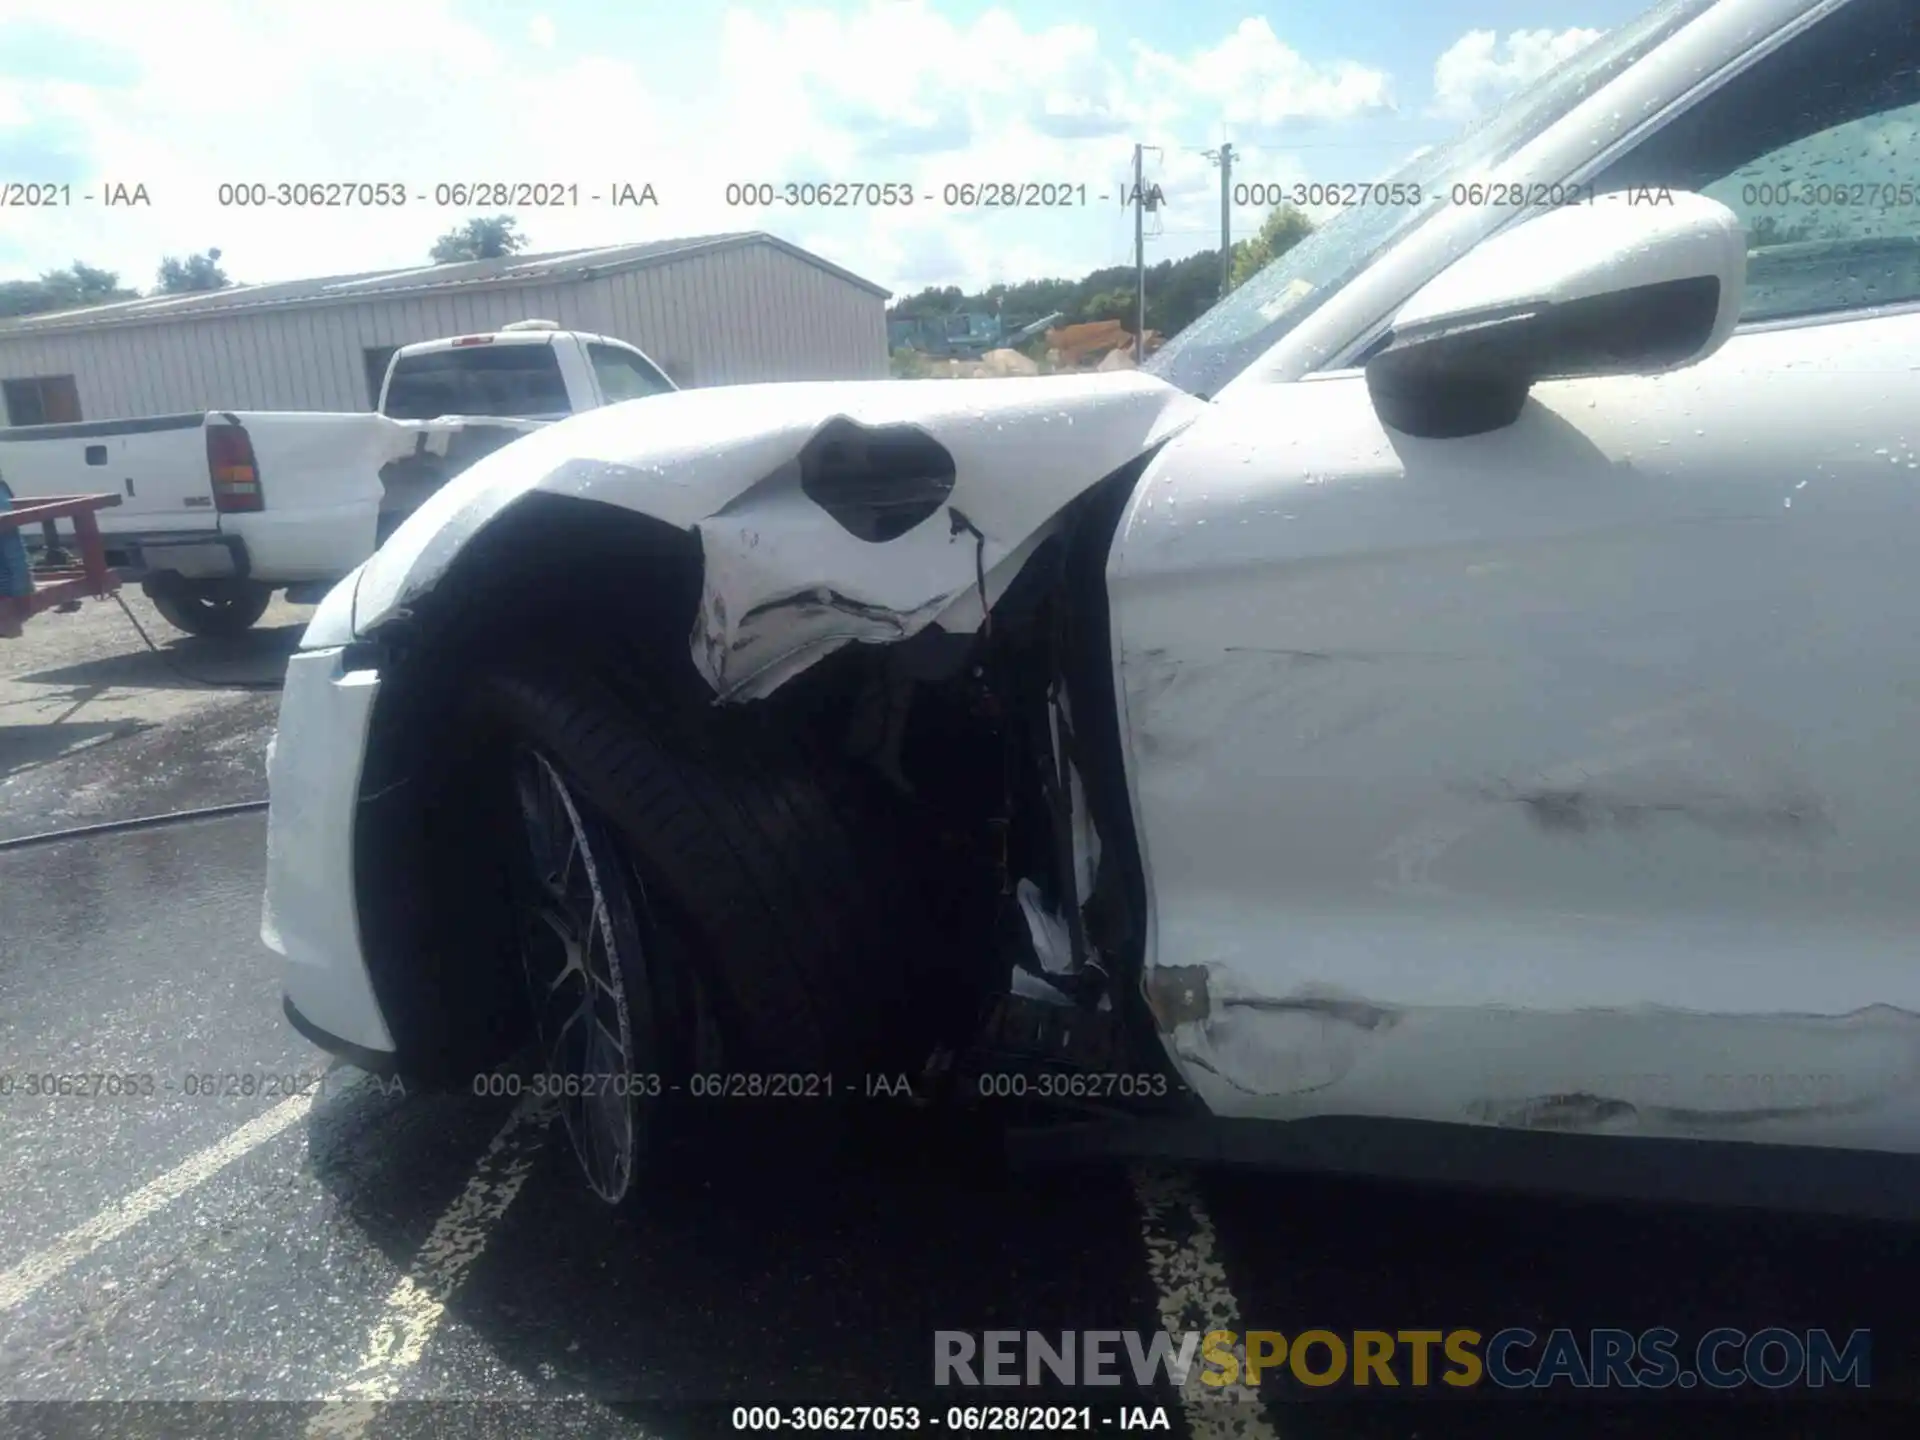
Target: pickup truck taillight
pixel 233 470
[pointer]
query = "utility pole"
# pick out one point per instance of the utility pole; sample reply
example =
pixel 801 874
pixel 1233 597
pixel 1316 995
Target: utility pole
pixel 1139 255
pixel 1226 216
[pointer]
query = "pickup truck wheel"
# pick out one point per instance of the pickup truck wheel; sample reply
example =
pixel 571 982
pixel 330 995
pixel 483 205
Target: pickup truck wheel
pixel 208 607
pixel 797 909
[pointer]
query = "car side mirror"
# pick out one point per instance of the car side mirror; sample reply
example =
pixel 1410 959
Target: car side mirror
pixel 1632 283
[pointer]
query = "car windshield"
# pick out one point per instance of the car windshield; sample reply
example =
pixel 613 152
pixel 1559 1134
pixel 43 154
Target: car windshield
pixel 1249 321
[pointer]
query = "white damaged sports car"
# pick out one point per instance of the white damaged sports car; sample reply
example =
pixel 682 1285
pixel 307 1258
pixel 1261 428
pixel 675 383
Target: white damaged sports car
pixel 1472 677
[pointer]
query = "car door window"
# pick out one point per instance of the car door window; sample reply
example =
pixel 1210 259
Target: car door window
pixel 624 375
pixel 1816 148
pixel 1247 323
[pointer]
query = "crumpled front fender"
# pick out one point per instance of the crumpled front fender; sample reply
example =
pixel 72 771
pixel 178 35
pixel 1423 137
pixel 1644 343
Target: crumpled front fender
pixel 784 582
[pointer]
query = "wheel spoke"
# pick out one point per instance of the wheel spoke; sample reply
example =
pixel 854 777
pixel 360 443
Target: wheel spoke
pixel 573 965
pixel 572 950
pixel 568 1033
pixel 562 880
pixel 605 1047
pixel 608 1118
pixel 597 958
pixel 551 835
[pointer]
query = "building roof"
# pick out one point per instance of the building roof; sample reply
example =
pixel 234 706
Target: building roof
pixel 469 275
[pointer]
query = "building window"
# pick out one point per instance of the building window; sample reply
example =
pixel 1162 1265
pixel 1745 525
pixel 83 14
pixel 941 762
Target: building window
pixel 43 400
pixel 377 358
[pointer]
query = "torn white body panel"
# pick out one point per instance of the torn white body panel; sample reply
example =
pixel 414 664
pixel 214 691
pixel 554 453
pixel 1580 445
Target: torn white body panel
pixel 783 586
pixel 1052 947
pixel 1563 755
pixel 784 583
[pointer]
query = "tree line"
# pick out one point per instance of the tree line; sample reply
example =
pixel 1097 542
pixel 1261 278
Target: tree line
pixel 81 285
pixel 1178 291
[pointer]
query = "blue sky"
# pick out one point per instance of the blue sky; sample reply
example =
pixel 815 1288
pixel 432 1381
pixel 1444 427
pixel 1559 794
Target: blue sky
pixel 689 96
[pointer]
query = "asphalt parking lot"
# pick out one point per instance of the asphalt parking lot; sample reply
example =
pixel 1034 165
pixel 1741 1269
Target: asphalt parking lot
pixel 348 1260
pixel 94 726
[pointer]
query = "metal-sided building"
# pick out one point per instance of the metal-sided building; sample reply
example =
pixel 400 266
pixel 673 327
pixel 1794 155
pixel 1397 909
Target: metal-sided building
pixel 713 310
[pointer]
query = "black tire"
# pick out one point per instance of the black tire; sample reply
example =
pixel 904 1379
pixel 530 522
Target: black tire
pixel 208 607
pixel 796 897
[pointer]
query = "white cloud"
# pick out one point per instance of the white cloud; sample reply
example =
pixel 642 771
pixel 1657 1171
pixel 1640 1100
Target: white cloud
pixel 1255 84
pixel 370 90
pixel 1480 69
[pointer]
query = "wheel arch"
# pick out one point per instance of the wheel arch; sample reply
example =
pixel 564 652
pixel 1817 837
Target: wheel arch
pixel 550 572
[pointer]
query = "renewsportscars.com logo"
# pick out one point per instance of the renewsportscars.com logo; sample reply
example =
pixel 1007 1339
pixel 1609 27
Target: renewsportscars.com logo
pixel 1515 1358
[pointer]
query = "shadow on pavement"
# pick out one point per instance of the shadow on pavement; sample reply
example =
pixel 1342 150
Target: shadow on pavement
pixel 22 747
pixel 183 661
pixel 759 1281
pixel 754 1279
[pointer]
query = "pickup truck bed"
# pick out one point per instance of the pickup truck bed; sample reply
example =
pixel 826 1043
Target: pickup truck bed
pixel 210 495
pixel 220 508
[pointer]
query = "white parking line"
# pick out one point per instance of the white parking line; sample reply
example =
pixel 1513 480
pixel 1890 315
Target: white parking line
pixel 414 1307
pixel 17 1284
pixel 1191 1282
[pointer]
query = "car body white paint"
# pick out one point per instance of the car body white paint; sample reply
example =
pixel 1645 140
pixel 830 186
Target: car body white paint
pixel 308 916
pixel 1585 251
pixel 1556 777
pixel 1576 759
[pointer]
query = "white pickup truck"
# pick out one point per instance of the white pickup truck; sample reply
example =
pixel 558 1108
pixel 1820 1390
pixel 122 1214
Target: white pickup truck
pixel 219 509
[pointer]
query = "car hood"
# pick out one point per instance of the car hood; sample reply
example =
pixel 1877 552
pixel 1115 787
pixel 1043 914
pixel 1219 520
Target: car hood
pixel 785 582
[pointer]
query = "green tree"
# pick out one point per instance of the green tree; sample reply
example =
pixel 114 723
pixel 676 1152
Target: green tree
pixel 67 289
pixel 934 300
pixel 1182 291
pixel 485 237
pixel 1111 304
pixel 193 274
pixel 1285 228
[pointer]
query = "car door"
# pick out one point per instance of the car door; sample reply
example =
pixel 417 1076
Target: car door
pixel 1568 776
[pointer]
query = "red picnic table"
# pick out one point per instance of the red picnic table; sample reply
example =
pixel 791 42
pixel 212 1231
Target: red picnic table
pixel 65 582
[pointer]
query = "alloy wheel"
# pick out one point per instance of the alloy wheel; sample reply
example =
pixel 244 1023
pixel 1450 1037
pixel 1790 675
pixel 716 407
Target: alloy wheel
pixel 581 946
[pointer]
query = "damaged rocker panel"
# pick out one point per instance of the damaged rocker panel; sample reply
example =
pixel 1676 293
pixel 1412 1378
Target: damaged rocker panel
pixel 1813 1079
